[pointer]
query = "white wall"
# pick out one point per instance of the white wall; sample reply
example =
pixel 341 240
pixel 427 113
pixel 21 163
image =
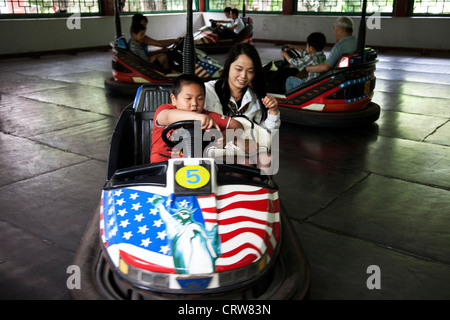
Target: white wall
pixel 25 35
pixel 34 35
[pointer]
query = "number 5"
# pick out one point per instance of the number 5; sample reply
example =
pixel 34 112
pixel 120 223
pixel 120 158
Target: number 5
pixel 192 176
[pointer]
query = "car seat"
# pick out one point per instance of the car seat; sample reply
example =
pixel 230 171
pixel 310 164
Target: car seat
pixel 148 98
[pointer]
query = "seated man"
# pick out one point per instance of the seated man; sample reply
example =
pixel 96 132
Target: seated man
pixel 346 43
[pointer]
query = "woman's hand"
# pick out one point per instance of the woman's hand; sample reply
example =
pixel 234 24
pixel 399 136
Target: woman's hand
pixel 271 103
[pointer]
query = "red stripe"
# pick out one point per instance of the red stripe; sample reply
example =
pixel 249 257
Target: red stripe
pixel 242 219
pixel 224 237
pixel 239 249
pixel 248 259
pixel 258 205
pixel 234 193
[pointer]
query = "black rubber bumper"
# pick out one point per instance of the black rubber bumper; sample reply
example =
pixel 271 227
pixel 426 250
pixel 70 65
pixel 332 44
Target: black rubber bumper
pixel 121 88
pixel 354 118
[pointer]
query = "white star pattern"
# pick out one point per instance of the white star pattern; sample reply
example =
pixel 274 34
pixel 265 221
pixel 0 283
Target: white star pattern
pixel 164 249
pixel 161 235
pixel 136 206
pixel 122 212
pixel 113 231
pixel 134 196
pixel 111 221
pixel 183 203
pixel 143 229
pixel 139 217
pixel 120 202
pixel 127 235
pixel 124 223
pixel 145 242
pixel 157 223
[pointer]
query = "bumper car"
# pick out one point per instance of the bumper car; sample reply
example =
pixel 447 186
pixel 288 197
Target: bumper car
pixel 207 40
pixel 338 98
pixel 129 71
pixel 187 228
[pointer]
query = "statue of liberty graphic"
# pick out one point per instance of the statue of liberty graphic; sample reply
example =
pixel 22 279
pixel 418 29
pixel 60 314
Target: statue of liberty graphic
pixel 194 249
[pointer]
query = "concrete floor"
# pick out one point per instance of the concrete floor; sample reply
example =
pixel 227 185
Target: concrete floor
pixel 359 198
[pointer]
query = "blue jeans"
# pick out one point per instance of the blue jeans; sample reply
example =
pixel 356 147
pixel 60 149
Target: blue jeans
pixel 292 82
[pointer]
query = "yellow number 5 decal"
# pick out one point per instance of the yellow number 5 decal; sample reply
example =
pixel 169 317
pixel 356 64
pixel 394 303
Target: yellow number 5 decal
pixel 192 177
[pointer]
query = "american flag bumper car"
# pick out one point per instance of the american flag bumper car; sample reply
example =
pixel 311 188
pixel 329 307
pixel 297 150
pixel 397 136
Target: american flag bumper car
pixel 188 228
pixel 130 72
pixel 208 41
pixel 339 98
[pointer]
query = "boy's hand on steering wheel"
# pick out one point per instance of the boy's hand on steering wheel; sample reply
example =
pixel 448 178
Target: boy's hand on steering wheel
pixel 207 122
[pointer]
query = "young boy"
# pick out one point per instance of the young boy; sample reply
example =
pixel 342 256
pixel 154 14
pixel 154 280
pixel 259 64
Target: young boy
pixel 311 56
pixel 188 99
pixel 138 47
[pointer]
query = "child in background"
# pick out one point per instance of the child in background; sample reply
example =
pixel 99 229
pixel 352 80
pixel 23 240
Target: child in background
pixel 311 56
pixel 137 46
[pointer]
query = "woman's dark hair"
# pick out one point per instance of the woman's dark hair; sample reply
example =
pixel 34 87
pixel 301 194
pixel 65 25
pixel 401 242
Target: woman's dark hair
pixel 258 83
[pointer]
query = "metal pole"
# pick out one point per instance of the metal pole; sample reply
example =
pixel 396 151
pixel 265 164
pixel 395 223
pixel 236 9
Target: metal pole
pixel 188 48
pixel 362 32
pixel 117 19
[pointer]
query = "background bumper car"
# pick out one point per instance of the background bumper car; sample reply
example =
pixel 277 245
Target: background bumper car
pixel 130 72
pixel 339 98
pixel 208 41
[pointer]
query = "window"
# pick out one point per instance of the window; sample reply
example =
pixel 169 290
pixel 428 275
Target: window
pixel 431 7
pixel 147 6
pixel 344 7
pixel 252 5
pixel 46 7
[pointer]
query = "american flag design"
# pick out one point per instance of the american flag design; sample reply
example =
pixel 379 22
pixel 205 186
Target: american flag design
pixel 206 67
pixel 206 37
pixel 237 226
